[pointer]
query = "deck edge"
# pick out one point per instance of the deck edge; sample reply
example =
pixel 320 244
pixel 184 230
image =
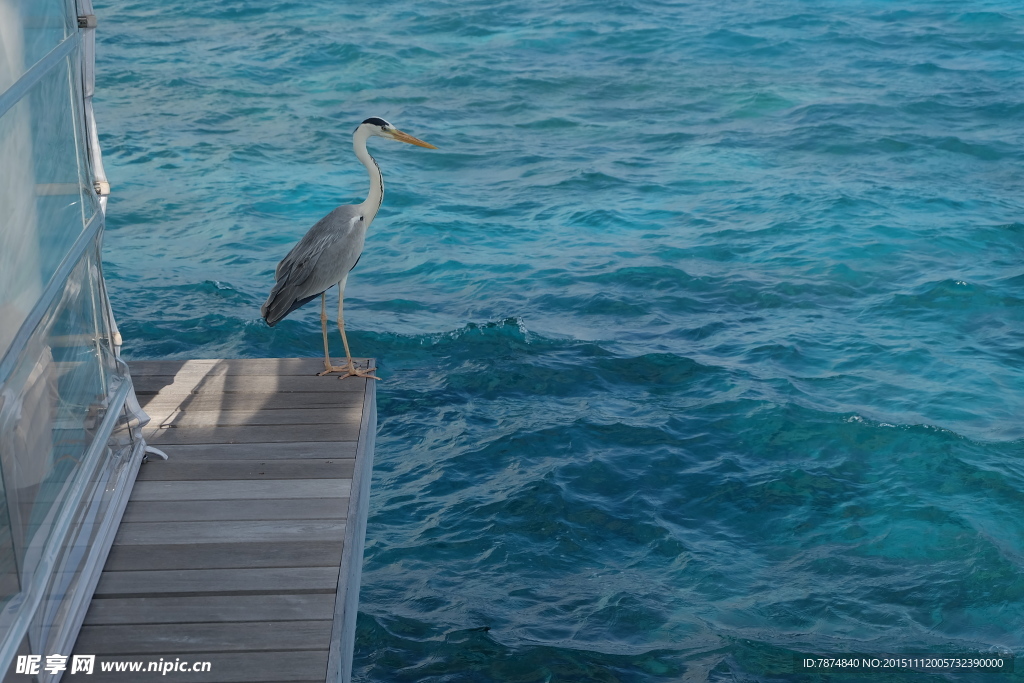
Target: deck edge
pixel 343 633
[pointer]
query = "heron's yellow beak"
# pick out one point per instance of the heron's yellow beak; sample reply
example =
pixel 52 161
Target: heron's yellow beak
pixel 405 137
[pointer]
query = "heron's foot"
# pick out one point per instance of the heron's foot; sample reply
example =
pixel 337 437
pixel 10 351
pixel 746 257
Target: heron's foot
pixel 349 369
pixel 328 369
pixel 353 371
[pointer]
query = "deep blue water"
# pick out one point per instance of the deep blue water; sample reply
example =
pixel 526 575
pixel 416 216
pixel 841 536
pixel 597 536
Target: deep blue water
pixel 701 335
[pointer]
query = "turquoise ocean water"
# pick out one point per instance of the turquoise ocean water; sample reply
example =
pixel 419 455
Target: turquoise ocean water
pixel 701 335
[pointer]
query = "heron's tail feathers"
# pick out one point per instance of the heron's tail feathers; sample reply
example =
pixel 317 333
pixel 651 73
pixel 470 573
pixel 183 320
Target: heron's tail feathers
pixel 282 301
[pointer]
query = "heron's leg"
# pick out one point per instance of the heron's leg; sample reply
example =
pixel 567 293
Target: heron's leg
pixel 323 326
pixel 350 366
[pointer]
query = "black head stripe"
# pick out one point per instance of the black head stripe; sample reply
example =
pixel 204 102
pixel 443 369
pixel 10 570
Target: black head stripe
pixel 378 122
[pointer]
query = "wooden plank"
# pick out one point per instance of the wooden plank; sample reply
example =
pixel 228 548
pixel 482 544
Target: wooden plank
pixel 256 384
pixel 289 416
pixel 210 608
pixel 127 558
pixel 298 666
pixel 154 403
pixel 240 490
pixel 256 434
pixel 222 581
pixel 236 366
pixel 227 510
pixel 262 451
pixel 251 531
pixel 210 470
pixel 204 637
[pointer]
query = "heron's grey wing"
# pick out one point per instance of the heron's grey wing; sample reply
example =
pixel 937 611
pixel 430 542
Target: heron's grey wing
pixel 313 265
pixel 311 243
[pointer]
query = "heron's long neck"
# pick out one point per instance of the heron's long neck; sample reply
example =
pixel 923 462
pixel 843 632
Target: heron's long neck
pixel 376 194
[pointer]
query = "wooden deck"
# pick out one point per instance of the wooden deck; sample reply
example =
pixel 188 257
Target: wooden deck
pixel 245 548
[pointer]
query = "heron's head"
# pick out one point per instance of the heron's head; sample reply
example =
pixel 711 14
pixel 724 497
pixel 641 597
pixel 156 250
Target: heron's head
pixel 381 128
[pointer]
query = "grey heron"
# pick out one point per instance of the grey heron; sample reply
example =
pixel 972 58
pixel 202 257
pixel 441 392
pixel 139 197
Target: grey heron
pixel 331 248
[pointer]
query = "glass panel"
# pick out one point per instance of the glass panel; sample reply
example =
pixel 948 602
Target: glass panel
pixel 53 404
pixel 104 337
pixel 54 401
pixel 57 469
pixel 58 189
pixel 41 192
pixel 9 583
pixel 28 30
pixel 90 200
pixel 64 592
